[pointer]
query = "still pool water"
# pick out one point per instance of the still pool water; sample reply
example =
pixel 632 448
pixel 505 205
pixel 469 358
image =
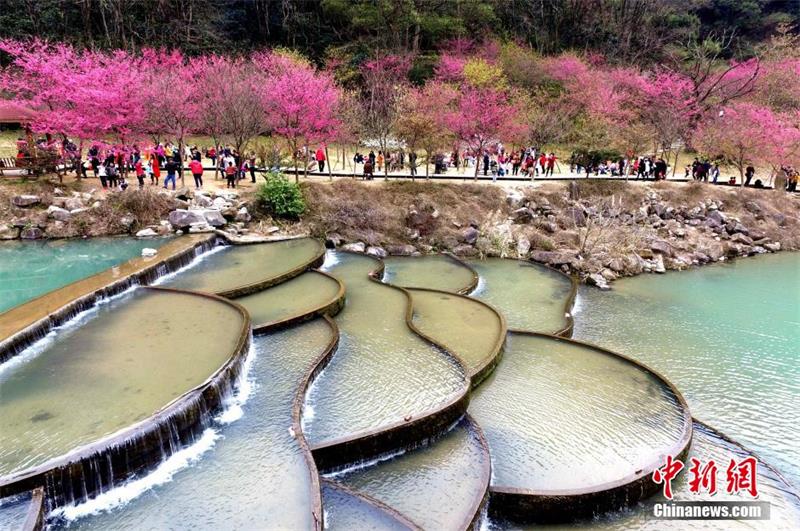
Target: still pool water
pixel 728 336
pixel 30 269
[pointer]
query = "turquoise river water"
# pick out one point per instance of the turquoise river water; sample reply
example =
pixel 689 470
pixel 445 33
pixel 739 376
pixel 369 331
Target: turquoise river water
pixel 30 269
pixel 728 336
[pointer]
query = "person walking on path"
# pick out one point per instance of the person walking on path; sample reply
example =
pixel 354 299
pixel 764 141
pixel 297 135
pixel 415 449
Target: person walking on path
pixel 320 156
pixel 172 167
pixel 196 167
pixel 156 174
pixel 139 169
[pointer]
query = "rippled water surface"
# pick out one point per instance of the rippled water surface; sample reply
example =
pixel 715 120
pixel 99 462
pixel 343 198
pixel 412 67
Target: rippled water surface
pixel 727 335
pixel 255 477
pixel 437 487
pixel 302 294
pixel 13 511
pixel 530 296
pixel 345 512
pixel 468 328
pixel 117 365
pixel 240 265
pixel 562 416
pixel 382 372
pixel 784 503
pixel 31 268
pixel 436 271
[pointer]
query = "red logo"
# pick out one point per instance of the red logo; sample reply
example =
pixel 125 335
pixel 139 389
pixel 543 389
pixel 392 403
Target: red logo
pixel 740 477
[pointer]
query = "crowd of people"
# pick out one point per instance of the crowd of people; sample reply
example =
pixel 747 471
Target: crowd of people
pixel 113 164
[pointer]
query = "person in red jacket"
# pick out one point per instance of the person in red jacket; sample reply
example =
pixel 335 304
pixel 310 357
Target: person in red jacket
pixel 196 167
pixel 320 156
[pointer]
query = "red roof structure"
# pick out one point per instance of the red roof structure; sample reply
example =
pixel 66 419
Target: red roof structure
pixel 13 113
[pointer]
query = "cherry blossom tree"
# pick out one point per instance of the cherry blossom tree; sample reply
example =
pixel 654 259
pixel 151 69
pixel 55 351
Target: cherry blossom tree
pixel 745 134
pixel 300 105
pixel 480 117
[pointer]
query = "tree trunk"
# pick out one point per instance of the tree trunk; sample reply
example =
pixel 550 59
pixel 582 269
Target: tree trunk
pixel 330 174
pixel 180 157
pixel 478 163
pixel 294 160
pixel 427 165
pixel 305 163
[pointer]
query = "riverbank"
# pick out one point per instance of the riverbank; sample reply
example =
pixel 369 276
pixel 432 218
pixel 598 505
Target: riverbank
pixel 598 230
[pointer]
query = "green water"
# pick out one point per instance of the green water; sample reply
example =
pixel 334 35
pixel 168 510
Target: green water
pixel 116 366
pixel 255 476
pixel 728 336
pixel 382 372
pixel 561 416
pixel 435 271
pixel 30 269
pixel 466 327
pixel 436 487
pixel 706 445
pixel 241 265
pixel 301 295
pixel 530 296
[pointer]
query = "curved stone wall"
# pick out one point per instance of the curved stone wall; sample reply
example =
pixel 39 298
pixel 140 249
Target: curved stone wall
pixel 93 468
pixel 22 325
pixel 523 505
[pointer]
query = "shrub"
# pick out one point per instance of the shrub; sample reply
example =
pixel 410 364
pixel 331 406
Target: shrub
pixel 280 197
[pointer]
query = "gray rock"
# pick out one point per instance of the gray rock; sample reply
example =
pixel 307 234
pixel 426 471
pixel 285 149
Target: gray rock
pixel 149 251
pixel 146 233
pixel 401 250
pixel 23 201
pixel 661 247
pixel 357 247
pixel 523 247
pixel 243 215
pixel 214 218
pixel 203 201
pixel 553 257
pixel 73 203
pixel 31 233
pixel 184 193
pixel 742 238
pixel 183 218
pixel 469 235
pixel 658 264
pixel 465 250
pixel 596 279
pixel 8 232
pixel 58 191
pixel 617 265
pixel 779 218
pixel 522 215
pixel 376 251
pixel 515 199
pixel 78 210
pixel 718 217
pixel 58 213
pixel 773 246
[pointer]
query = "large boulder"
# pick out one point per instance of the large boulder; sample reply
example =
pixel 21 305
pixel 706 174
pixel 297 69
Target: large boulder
pixel 661 247
pixel 214 217
pixel 576 216
pixel 25 200
pixel 554 258
pixel 465 250
pixel 73 203
pixel 597 279
pixel 199 227
pixel 378 252
pixel 357 247
pixel 523 247
pixel 183 218
pixel 658 264
pixel 58 213
pixel 741 238
pixel 401 249
pixel 203 201
pixel 515 199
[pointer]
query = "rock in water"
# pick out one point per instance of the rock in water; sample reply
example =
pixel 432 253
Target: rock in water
pixel 149 251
